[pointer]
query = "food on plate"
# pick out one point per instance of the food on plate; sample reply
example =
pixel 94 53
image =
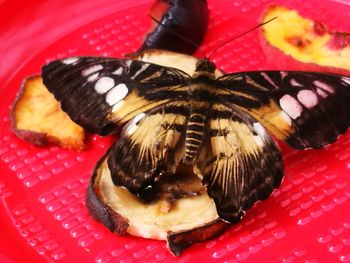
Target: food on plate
pixel 178 20
pixel 294 39
pixel 180 200
pixel 183 213
pixel 218 126
pixel 37 117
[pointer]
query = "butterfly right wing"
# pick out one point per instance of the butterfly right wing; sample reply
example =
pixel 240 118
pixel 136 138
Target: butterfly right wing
pixel 304 109
pixel 240 163
pixel 102 94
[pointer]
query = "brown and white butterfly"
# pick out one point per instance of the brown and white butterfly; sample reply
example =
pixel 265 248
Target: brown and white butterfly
pixel 221 125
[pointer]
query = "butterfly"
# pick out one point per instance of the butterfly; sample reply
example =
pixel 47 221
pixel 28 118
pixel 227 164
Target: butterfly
pixel 225 127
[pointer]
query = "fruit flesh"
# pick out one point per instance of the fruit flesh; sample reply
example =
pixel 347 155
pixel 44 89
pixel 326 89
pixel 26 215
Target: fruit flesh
pixel 36 113
pixel 157 219
pixel 306 40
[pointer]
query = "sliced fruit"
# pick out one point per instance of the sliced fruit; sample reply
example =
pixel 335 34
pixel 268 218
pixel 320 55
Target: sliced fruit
pixel 37 117
pixel 178 20
pixel 299 39
pixel 182 215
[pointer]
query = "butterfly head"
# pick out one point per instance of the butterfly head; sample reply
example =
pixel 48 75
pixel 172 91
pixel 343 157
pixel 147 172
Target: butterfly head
pixel 205 66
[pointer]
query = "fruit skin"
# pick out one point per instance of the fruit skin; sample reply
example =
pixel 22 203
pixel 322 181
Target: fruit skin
pixel 116 223
pixel 102 212
pixel 177 242
pixel 33 137
pixel 40 135
pixel 188 18
pixel 286 44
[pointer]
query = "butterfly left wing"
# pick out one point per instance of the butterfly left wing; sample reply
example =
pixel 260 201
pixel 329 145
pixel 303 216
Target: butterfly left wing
pixel 305 109
pixel 102 94
pixel 239 163
pixel 151 146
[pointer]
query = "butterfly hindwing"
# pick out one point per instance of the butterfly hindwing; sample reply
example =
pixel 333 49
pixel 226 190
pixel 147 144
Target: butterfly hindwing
pixel 151 145
pixel 102 94
pixel 240 163
pixel 307 110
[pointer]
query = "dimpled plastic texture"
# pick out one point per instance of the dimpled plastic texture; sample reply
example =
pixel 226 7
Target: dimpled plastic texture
pixel 42 190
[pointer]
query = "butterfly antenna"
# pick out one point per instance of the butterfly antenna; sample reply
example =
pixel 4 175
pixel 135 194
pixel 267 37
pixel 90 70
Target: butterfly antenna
pixel 177 34
pixel 239 35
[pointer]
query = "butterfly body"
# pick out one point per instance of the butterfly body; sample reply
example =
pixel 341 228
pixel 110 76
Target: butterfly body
pixel 219 125
pixel 200 96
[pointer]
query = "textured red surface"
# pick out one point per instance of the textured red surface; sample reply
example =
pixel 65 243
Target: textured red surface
pixel 42 212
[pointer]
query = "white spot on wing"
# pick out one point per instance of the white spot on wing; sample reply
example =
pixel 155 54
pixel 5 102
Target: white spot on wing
pixel 295 83
pixel 307 98
pixel 92 77
pixel 132 126
pixel 118 72
pixel 258 140
pixel 285 117
pixel 144 66
pixel 128 63
pixel 90 70
pixel 322 93
pixel 260 130
pixel 291 106
pixel 283 74
pixel 138 117
pixel 261 134
pixel 131 129
pixel 346 80
pixel 69 61
pixel 116 94
pixel 104 84
pixel 324 86
pixel 117 106
pixel 269 80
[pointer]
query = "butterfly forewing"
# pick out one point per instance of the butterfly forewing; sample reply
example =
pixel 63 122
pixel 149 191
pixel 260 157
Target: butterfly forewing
pixel 239 162
pixel 307 110
pixel 102 94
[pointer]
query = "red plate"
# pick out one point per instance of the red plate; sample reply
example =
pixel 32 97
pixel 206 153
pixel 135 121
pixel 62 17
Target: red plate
pixel 43 216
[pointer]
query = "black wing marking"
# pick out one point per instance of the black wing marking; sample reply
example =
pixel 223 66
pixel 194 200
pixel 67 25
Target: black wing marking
pixel 307 110
pixel 101 94
pixel 240 163
pixel 151 145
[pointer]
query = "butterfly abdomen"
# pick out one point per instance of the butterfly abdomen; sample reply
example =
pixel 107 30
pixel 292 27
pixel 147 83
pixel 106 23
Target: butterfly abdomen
pixel 194 135
pixel 200 95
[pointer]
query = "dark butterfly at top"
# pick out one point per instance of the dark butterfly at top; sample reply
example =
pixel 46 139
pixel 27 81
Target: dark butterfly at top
pixel 221 125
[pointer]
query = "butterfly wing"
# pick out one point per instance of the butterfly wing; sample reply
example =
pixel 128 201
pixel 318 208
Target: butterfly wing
pixel 151 145
pixel 102 94
pixel 307 110
pixel 239 163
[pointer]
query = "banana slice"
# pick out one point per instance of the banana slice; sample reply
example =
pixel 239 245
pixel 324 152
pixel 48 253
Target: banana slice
pixel 183 215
